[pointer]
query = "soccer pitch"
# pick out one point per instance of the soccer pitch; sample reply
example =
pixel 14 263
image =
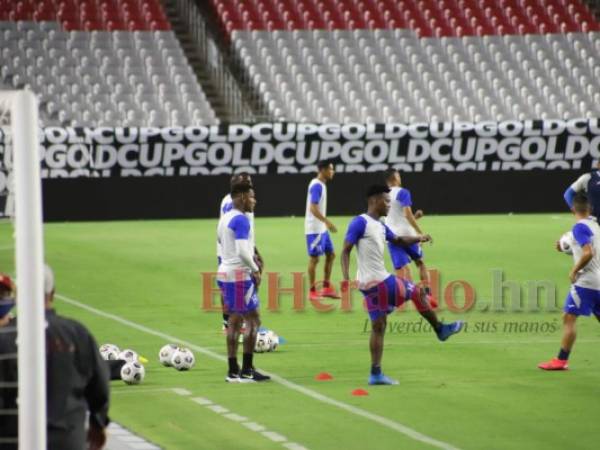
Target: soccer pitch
pixel 139 285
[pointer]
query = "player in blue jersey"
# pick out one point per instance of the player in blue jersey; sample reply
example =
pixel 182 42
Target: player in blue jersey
pixel 238 278
pixel 384 292
pixel 316 228
pixel 589 184
pixel 584 295
pixel 403 222
pixel 227 205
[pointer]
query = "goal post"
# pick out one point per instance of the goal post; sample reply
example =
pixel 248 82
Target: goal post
pixel 20 110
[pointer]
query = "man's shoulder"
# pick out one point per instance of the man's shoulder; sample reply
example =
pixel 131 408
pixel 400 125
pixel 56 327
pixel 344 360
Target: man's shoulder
pixel 67 323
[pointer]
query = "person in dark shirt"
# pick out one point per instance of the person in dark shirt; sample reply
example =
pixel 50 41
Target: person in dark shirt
pixel 77 382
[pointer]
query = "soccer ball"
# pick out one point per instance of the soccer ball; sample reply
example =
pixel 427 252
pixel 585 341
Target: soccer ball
pixel 109 352
pixel 166 353
pixel 274 340
pixel 263 342
pixel 133 372
pixel 128 355
pixel 566 242
pixel 183 359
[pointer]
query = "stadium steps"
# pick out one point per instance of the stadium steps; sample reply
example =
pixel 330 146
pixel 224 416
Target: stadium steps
pixel 192 53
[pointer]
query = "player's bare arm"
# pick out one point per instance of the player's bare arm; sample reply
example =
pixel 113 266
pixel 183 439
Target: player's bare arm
pixel 346 260
pixel 412 219
pixel 586 257
pixel 410 240
pixel 314 209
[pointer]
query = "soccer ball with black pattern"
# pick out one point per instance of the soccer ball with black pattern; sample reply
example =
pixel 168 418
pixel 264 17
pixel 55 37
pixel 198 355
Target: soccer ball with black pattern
pixel 166 354
pixel 133 373
pixel 183 359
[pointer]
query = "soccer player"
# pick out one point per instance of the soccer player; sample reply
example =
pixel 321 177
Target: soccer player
pixel 589 184
pixel 403 222
pixel 383 292
pixel 238 278
pixel 316 228
pixel 227 205
pixel 584 296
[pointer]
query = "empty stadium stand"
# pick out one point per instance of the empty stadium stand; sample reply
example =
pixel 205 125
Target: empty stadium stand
pixel 417 60
pixel 100 63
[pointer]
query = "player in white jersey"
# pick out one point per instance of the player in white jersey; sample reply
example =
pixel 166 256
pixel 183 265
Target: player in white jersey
pixel 382 291
pixel 238 278
pixel 584 295
pixel 227 205
pixel 403 222
pixel 316 229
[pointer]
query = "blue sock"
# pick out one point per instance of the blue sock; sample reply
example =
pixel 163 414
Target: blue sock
pixel 563 355
pixel 375 370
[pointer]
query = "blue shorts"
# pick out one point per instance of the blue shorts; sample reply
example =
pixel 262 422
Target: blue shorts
pixel 582 301
pixel 401 256
pixel 318 244
pixel 239 297
pixel 391 293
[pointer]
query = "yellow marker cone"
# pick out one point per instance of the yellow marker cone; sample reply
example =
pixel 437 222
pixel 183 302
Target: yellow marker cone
pixel 143 360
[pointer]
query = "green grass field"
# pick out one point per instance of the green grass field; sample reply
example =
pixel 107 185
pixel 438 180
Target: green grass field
pixel 479 390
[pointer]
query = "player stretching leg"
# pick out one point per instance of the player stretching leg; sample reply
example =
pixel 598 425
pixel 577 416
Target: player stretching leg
pixel 383 291
pixel 316 228
pixel 584 295
pixel 227 205
pixel 239 278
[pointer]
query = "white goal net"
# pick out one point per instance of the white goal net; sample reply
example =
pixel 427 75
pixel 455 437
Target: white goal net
pixel 21 256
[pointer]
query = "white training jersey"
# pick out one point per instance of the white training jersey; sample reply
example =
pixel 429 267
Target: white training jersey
pixel 587 231
pixel 317 194
pixel 581 184
pixel 396 218
pixel 227 205
pixel 233 225
pixel 369 237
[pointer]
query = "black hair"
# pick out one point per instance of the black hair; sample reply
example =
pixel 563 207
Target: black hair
pixel 389 173
pixel 240 188
pixel 239 178
pixel 580 202
pixel 324 164
pixel 377 189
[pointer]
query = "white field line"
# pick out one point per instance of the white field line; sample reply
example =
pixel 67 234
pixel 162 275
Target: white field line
pixel 209 404
pixel 388 423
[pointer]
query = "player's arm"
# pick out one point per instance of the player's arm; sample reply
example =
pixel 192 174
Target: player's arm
pixel 412 219
pixel 356 230
pixel 258 259
pixel 405 241
pixel 583 235
pixel 405 200
pixel 241 229
pixel 346 260
pixel 316 191
pixel 578 186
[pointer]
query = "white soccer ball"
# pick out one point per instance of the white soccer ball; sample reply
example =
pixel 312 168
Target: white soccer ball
pixel 109 352
pixel 183 359
pixel 274 340
pixel 566 243
pixel 133 372
pixel 263 342
pixel 128 355
pixel 166 353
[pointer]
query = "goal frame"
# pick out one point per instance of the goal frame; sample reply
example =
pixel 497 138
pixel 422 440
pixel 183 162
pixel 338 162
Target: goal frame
pixel 29 265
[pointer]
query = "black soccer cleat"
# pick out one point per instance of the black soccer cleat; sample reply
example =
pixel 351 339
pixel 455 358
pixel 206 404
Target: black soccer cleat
pixel 232 378
pixel 252 376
